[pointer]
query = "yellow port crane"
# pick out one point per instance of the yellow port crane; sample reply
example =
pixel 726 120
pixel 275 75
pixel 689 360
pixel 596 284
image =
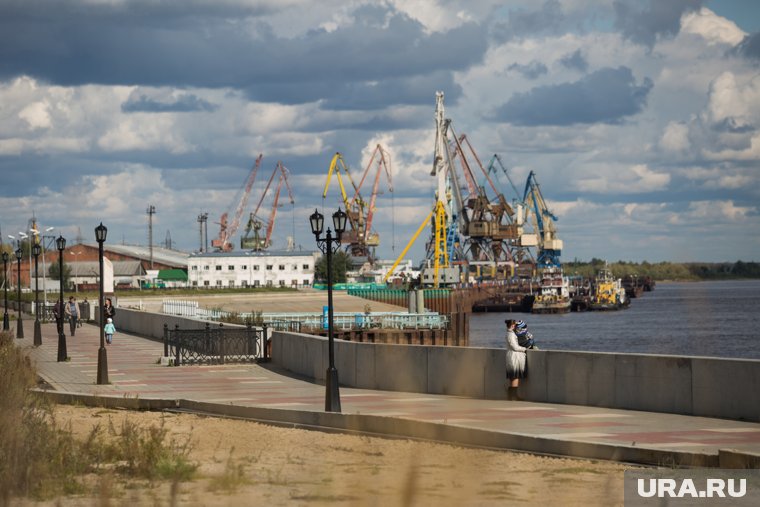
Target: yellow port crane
pixel 440 216
pixel 360 237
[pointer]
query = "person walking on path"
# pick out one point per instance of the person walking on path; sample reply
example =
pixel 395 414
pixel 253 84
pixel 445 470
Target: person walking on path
pixel 73 313
pixel 108 310
pixel 516 361
pixel 109 330
pixel 58 314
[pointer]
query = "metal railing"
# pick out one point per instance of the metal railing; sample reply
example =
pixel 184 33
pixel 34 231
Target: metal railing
pixel 216 345
pixel 180 307
pixel 295 321
pixel 347 320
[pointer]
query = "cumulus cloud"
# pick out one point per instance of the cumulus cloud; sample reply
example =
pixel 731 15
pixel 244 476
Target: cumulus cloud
pixel 750 46
pixel 36 115
pixel 527 22
pixel 711 27
pixel 644 24
pixel 531 70
pixel 607 95
pixel 676 137
pixel 625 180
pixel 182 103
pixel 122 44
pixel 141 133
pixel 718 211
pixel 574 61
pixel 632 122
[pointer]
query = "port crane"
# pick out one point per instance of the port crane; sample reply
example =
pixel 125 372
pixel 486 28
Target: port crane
pixel 522 240
pixel 549 247
pixel 441 218
pixel 228 229
pixel 253 239
pixel 360 239
pixel 487 220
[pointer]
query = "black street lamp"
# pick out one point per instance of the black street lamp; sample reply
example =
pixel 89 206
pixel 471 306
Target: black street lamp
pixel 36 250
pixel 20 325
pixel 328 245
pixel 100 236
pixel 6 321
pixel 60 243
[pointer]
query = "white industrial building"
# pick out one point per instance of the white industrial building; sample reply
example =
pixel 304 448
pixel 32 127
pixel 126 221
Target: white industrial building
pixel 251 269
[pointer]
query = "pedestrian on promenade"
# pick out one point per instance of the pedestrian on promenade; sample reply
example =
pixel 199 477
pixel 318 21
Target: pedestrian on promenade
pixel 109 330
pixel 58 314
pixel 516 361
pixel 108 310
pixel 85 306
pixel 73 313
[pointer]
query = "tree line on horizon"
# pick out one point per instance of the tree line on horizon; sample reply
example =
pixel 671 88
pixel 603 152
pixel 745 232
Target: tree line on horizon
pixel 667 270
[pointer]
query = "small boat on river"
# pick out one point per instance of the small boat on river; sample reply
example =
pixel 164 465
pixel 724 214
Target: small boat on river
pixel 554 292
pixel 608 292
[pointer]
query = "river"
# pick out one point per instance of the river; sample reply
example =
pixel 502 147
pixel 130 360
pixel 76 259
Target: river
pixel 716 319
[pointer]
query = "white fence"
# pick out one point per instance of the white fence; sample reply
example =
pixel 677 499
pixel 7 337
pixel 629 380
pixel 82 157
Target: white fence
pixel 181 308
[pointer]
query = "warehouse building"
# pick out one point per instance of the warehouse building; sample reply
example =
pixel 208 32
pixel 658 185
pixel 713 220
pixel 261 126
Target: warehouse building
pixel 251 269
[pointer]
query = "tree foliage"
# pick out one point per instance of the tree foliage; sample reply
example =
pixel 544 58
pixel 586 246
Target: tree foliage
pixel 341 263
pixel 55 275
pixel 668 270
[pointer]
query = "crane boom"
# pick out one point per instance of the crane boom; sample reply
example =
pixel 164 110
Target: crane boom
pixel 273 214
pixel 549 247
pixel 228 229
pixel 383 163
pixel 336 164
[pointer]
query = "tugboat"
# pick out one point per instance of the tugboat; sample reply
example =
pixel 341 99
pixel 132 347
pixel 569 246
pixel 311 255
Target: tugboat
pixel 608 292
pixel 633 285
pixel 554 295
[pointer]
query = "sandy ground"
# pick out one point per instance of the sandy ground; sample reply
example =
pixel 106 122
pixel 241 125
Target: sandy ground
pixel 306 300
pixel 285 466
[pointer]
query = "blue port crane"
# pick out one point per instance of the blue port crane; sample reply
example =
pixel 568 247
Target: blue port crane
pixel 549 246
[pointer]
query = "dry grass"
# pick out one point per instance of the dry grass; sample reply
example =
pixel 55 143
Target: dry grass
pixel 40 458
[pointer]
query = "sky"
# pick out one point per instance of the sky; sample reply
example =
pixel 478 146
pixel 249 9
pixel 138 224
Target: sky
pixel 640 118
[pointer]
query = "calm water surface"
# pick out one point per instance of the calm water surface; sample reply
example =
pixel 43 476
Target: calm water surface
pixel 698 319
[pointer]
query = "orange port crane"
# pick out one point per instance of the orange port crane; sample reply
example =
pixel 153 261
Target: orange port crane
pixel 255 223
pixel 383 166
pixel 227 231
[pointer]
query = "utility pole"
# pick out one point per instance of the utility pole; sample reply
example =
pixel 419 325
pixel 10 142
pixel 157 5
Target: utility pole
pixel 151 211
pixel 200 228
pixel 205 232
pixel 203 224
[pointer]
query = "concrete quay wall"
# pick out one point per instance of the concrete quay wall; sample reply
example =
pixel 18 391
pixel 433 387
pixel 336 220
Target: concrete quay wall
pixel 699 386
pixel 151 325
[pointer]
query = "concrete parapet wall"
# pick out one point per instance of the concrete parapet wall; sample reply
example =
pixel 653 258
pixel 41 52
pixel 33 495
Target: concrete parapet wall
pixel 151 325
pixel 701 386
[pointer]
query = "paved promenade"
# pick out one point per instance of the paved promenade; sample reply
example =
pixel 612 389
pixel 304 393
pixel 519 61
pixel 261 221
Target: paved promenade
pixel 276 397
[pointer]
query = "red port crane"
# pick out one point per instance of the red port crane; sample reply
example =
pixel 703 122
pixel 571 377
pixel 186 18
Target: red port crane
pixel 255 223
pixel 227 231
